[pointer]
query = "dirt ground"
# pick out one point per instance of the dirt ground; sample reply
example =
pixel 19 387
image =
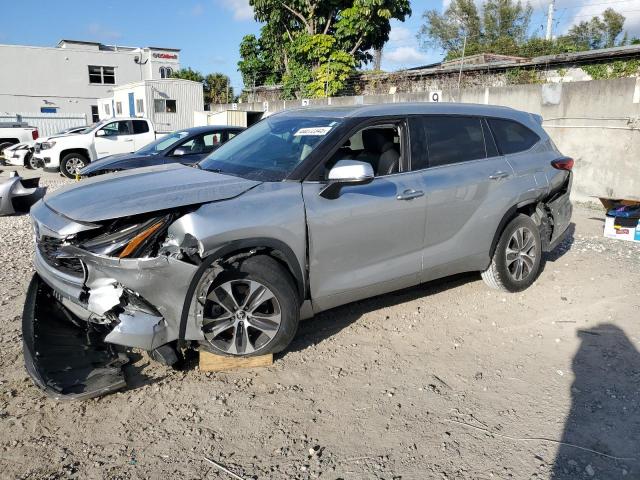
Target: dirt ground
pixel 449 380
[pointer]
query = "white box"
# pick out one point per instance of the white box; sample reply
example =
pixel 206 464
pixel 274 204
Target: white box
pixel 620 233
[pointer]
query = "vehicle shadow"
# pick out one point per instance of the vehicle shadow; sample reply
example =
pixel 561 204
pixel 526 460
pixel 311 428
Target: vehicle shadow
pixel 564 246
pixel 329 323
pixel 134 371
pixel 601 436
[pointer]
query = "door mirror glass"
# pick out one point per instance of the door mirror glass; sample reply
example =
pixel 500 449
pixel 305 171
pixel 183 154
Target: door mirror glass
pixel 180 151
pixel 347 172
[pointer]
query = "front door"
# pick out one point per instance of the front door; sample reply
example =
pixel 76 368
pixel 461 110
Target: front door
pixel 117 138
pixel 369 240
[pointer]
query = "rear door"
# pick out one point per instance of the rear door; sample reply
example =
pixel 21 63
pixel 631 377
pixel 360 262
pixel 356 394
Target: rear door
pixel 368 240
pixel 142 135
pixel 117 138
pixel 467 186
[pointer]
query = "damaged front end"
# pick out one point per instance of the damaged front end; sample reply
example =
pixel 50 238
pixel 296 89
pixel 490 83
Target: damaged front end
pixel 100 289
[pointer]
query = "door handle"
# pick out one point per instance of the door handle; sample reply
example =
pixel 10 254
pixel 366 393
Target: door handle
pixel 129 140
pixel 410 194
pixel 498 175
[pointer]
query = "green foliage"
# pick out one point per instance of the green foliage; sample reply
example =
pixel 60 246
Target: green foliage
pixel 501 27
pixel 188 74
pixel 312 46
pixel 522 76
pixel 598 32
pixel 616 69
pixel 217 86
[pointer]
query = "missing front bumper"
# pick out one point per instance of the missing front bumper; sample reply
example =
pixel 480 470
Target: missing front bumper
pixel 65 356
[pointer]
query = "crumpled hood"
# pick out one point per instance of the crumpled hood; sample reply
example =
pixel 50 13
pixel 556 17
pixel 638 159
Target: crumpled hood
pixel 112 162
pixel 142 190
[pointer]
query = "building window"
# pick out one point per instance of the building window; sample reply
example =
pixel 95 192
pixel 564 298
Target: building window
pixel 139 105
pixel 165 72
pixel 107 109
pixel 95 117
pixel 164 106
pixel 118 108
pixel 48 109
pixel 102 75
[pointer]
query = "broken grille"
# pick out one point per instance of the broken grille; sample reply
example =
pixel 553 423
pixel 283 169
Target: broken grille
pixel 49 248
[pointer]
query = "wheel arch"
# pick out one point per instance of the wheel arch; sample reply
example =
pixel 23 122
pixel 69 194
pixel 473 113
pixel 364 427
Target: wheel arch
pixel 244 248
pixel 527 207
pixel 82 151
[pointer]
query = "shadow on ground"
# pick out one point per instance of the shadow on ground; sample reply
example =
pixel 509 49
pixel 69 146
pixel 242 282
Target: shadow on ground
pixel 605 409
pixel 329 323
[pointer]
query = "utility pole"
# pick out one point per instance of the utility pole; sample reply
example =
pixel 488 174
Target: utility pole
pixel 326 83
pixel 464 47
pixel 550 20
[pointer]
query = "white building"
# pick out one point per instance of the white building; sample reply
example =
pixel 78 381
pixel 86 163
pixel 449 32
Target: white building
pixel 70 77
pixel 169 103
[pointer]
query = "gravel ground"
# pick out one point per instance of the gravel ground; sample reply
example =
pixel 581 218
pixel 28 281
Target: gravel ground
pixel 449 380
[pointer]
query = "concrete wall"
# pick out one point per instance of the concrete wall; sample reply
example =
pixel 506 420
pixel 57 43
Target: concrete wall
pixel 595 122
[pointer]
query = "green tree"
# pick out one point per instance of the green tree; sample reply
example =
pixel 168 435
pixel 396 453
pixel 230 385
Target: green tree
pixel 218 88
pixel 598 32
pixel 312 46
pixel 188 74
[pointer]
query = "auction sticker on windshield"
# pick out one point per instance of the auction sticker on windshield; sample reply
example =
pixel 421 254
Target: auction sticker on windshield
pixel 312 131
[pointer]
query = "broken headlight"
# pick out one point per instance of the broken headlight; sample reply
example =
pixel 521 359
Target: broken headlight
pixel 130 237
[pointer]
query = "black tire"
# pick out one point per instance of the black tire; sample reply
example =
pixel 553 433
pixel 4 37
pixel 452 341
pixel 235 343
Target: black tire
pixel 502 273
pixel 72 163
pixel 30 162
pixel 276 278
pixel 4 145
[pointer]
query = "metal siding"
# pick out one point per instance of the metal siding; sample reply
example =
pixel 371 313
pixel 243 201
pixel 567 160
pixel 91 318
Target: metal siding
pixel 47 123
pixel 188 96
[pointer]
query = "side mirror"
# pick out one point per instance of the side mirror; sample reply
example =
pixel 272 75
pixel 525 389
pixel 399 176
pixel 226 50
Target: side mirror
pixel 101 133
pixel 347 172
pixel 179 152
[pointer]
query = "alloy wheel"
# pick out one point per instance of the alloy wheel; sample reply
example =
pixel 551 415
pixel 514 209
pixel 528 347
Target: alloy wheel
pixel 240 316
pixel 521 254
pixel 74 165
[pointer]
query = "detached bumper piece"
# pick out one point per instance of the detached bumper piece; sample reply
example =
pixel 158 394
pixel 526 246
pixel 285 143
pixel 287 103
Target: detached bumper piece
pixel 65 356
pixel 18 194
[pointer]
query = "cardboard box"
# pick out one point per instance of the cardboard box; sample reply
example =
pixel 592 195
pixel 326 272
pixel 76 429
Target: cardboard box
pixel 611 230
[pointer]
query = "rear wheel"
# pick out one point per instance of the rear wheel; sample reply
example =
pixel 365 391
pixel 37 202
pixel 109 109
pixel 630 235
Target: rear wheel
pixel 250 309
pixel 72 163
pixel 516 260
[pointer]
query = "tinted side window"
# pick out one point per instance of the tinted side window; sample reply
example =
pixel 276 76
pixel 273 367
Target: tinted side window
pixel 140 126
pixel 454 139
pixel 511 136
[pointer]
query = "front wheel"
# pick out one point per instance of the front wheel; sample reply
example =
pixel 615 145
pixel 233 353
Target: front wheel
pixel 516 260
pixel 72 163
pixel 249 309
pixel 30 161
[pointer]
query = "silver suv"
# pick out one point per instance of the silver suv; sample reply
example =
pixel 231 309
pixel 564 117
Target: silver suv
pixel 307 210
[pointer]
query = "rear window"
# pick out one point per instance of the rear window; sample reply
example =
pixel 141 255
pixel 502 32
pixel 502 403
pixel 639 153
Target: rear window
pixel 140 126
pixel 512 137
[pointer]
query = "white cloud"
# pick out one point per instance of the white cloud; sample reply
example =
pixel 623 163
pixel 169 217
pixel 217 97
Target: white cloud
pixel 197 10
pixel 401 35
pixel 101 32
pixel 404 56
pixel 240 8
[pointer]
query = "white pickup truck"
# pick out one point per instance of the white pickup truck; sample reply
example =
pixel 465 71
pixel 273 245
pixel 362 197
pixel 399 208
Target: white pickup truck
pixel 70 153
pixel 16 132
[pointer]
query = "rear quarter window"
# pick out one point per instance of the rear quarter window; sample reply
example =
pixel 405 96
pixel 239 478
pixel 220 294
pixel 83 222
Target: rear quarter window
pixel 140 126
pixel 512 137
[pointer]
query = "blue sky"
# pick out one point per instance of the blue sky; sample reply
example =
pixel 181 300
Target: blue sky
pixel 209 31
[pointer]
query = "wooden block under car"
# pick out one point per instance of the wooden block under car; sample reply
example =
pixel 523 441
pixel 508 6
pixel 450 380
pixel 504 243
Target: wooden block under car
pixel 210 362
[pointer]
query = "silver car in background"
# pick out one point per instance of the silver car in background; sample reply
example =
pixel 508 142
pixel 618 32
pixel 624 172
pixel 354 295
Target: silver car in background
pixel 307 210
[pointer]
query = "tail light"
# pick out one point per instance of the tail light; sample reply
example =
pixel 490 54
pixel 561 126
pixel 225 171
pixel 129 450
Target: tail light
pixel 34 134
pixel 564 163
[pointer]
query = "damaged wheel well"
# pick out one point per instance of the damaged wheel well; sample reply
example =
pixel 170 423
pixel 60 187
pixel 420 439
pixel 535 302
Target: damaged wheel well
pixel 528 208
pixel 237 251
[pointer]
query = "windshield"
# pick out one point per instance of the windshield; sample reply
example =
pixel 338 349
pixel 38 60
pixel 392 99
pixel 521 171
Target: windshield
pixel 271 149
pixel 163 143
